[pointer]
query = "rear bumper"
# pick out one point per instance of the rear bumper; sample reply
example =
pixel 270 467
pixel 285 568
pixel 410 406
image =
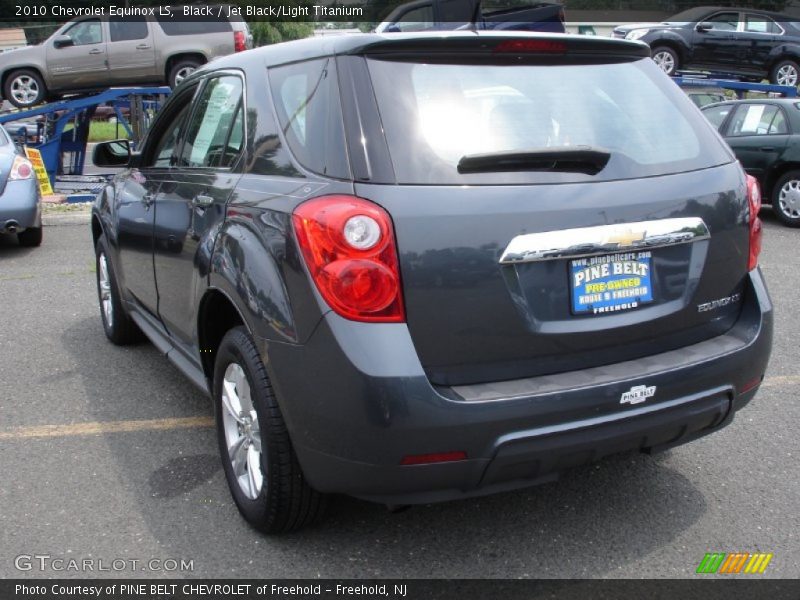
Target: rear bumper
pixel 19 203
pixel 357 401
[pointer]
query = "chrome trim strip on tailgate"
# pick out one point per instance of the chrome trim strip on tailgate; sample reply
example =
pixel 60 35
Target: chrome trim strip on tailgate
pixel 585 241
pixel 627 372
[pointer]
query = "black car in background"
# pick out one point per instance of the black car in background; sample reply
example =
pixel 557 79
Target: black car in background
pixel 443 15
pixel 420 267
pixel 752 44
pixel 765 136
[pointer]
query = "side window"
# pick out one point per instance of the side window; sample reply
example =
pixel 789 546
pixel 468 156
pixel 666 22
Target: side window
pixel 717 114
pixel 759 24
pixel 728 21
pixel 165 147
pixel 127 28
pixel 306 99
pixel 416 19
pixel 235 140
pixel 86 32
pixel 779 125
pixel 162 141
pixel 212 139
pixel 754 119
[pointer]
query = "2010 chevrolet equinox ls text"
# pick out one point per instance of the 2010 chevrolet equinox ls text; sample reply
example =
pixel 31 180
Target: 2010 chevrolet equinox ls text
pixel 419 267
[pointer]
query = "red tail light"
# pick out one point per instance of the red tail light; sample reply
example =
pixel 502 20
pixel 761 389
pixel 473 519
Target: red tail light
pixel 239 41
pixel 348 245
pixel 21 169
pixel 533 46
pixel 754 202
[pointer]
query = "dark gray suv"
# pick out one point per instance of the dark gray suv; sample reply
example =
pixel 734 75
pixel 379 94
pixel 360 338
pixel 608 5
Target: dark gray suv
pixel 413 268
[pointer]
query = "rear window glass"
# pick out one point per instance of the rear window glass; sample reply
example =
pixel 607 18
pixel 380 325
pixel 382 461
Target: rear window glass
pixel 434 114
pixel 307 103
pixel 179 25
pixel 716 114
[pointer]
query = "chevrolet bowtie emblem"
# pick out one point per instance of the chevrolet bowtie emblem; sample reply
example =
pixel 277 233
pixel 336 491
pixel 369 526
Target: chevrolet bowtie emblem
pixel 625 238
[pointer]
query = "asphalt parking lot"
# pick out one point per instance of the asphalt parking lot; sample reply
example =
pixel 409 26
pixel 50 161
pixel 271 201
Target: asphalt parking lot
pixel 107 453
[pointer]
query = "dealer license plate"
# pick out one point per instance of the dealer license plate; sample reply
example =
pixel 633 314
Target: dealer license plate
pixel 611 283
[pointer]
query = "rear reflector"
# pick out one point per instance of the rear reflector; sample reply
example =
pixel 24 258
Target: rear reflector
pixel 531 46
pixel 751 385
pixel 436 457
pixel 754 205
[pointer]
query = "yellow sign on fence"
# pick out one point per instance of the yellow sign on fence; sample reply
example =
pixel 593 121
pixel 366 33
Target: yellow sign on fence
pixel 41 173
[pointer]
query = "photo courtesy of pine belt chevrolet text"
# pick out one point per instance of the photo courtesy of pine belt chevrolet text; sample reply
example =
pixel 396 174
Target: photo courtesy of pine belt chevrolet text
pixel 418 267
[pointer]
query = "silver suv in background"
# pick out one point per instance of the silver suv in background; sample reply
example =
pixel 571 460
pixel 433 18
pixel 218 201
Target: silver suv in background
pixel 90 53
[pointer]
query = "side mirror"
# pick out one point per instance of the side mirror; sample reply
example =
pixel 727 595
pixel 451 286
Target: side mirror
pixel 704 27
pixel 63 41
pixel 116 153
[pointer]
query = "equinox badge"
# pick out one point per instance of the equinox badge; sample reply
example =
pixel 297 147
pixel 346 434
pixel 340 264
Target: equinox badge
pixel 638 393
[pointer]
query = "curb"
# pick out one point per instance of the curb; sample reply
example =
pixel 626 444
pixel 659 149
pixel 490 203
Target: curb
pixel 82 217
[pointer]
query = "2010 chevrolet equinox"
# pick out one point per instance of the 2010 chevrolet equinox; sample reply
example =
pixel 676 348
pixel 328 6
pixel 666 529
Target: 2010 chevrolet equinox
pixel 418 267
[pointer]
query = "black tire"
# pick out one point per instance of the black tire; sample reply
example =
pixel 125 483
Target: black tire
pixel 785 72
pixel 666 58
pixel 180 68
pixel 786 202
pixel 285 501
pixel 31 237
pixel 27 82
pixel 119 327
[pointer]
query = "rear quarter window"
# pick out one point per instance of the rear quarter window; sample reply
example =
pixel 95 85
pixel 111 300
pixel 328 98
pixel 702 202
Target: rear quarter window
pixel 434 114
pixel 306 98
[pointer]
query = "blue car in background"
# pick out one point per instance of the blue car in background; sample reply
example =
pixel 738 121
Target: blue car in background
pixel 20 207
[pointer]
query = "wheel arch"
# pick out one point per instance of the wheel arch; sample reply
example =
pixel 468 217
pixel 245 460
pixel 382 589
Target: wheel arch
pixel 97 229
pixel 784 53
pixel 673 44
pixel 9 70
pixel 179 56
pixel 217 314
pixel 774 175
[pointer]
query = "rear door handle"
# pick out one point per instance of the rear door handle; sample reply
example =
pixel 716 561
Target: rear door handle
pixel 96 51
pixel 143 47
pixel 768 148
pixel 202 200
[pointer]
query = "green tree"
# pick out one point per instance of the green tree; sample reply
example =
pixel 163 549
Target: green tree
pixel 272 32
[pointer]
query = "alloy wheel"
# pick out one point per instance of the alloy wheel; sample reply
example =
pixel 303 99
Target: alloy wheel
pixel 24 89
pixel 665 61
pixel 789 199
pixel 786 75
pixel 105 291
pixel 183 74
pixel 242 431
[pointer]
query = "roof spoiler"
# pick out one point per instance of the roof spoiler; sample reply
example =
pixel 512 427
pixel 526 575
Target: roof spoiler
pixel 490 46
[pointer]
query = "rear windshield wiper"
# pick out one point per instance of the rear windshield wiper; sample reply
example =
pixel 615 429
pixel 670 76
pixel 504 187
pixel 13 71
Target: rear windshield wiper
pixel 570 159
